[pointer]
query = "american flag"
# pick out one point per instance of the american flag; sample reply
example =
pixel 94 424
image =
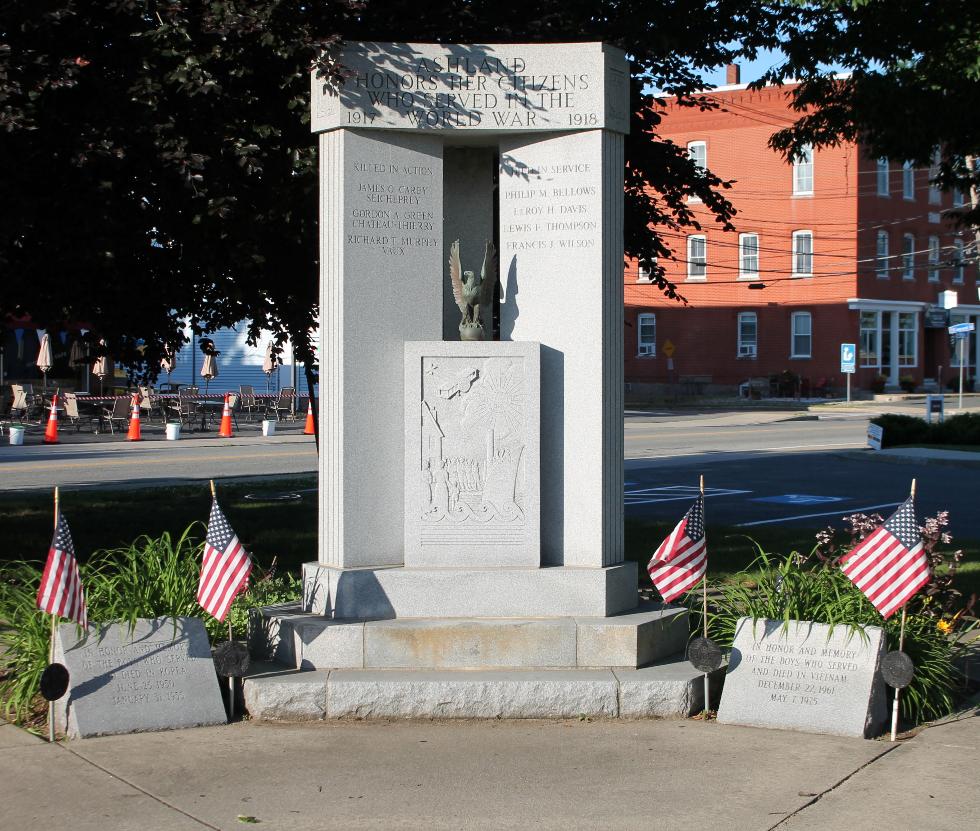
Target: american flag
pixel 681 559
pixel 226 566
pixel 60 592
pixel 889 565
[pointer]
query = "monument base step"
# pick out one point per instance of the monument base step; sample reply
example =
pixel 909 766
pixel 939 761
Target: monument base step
pixel 672 689
pixel 650 632
pixel 397 591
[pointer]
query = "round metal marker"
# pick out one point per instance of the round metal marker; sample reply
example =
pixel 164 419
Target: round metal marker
pixel 704 654
pixel 897 669
pixel 54 681
pixel 231 659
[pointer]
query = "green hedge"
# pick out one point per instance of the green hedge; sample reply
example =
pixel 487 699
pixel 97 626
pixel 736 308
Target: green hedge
pixel 903 429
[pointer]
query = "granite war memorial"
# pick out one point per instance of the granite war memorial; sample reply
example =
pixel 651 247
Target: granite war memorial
pixel 470 555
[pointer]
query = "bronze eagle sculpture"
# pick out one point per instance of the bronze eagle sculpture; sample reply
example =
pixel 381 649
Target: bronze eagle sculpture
pixel 470 292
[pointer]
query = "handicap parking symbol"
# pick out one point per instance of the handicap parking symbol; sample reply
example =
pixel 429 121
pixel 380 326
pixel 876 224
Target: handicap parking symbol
pixel 798 499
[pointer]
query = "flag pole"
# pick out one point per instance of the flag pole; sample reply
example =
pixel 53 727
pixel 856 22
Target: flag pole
pixel 901 644
pixel 704 607
pixel 231 679
pixel 54 629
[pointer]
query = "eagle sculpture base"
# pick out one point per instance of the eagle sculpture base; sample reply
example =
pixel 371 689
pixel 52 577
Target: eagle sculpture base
pixel 468 330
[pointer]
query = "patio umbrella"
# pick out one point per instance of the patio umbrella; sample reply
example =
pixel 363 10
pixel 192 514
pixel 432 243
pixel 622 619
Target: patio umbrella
pixel 269 364
pixel 78 355
pixel 101 367
pixel 44 358
pixel 167 361
pixel 209 369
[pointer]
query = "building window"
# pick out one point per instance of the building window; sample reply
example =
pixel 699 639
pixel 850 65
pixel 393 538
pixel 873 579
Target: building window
pixel 869 339
pixel 646 328
pixel 644 272
pixel 802 253
pixel 803 171
pixel 908 331
pixel 908 257
pixel 882 170
pixel 748 255
pixel 933 259
pixel 967 347
pixel 697 152
pixel 697 258
pixel 935 197
pixel 802 343
pixel 908 181
pixel 748 334
pixel 958 267
pixel 881 255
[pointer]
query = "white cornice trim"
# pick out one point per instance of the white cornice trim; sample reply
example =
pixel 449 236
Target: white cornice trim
pixel 864 304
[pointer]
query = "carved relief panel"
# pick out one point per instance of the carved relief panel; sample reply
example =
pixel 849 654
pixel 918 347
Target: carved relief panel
pixel 471 454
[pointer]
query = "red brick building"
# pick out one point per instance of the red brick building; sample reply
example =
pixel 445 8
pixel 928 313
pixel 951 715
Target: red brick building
pixel 837 248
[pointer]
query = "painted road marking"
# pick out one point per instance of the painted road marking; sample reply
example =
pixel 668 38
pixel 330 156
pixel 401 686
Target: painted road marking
pixel 811 516
pixel 31 467
pixel 798 499
pixel 672 493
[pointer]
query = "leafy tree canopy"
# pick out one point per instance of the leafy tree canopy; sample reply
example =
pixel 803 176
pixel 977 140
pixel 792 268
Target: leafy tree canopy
pixel 157 162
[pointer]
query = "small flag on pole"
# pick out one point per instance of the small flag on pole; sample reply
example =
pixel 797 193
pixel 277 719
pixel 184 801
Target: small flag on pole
pixel 226 566
pixel 889 565
pixel 60 592
pixel 681 559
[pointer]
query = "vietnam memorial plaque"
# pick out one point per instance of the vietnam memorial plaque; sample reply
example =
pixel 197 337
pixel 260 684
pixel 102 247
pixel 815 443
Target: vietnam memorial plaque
pixel 158 676
pixel 806 676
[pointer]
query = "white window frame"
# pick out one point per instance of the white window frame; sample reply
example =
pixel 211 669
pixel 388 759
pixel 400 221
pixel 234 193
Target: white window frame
pixel 646 348
pixel 959 268
pixel 803 172
pixel 746 271
pixel 793 334
pixel 970 350
pixel 882 174
pixel 908 181
pixel 906 361
pixel 644 272
pixel 875 330
pixel 933 272
pixel 908 256
pixel 881 255
pixel 935 195
pixel 702 266
pixel 799 255
pixel 697 151
pixel 746 349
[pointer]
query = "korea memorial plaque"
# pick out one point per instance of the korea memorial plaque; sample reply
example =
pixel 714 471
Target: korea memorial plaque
pixel 807 676
pixel 158 676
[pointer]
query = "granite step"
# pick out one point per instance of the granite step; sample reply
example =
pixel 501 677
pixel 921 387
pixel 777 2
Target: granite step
pixel 669 689
pixel 642 636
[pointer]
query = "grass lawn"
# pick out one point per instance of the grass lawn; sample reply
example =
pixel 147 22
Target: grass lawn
pixel 287 529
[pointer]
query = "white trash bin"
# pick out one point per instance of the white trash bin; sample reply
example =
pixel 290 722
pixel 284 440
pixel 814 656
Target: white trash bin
pixel 268 427
pixel 16 433
pixel 173 430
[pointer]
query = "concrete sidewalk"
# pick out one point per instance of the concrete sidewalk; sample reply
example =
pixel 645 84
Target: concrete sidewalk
pixel 493 774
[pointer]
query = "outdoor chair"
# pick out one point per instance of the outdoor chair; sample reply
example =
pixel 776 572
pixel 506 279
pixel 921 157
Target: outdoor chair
pixel 186 407
pixel 26 403
pixel 150 403
pixel 75 416
pixel 119 411
pixel 248 402
pixel 284 403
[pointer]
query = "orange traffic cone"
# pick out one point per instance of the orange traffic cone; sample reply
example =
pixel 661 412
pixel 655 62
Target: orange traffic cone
pixel 51 431
pixel 309 430
pixel 134 420
pixel 225 431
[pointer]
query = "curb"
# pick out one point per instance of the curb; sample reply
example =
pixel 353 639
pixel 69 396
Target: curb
pixel 869 455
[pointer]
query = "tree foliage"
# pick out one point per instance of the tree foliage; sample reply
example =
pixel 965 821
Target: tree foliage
pixel 912 87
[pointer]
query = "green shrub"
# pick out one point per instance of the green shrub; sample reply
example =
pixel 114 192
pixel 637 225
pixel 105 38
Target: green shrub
pixel 812 587
pixel 960 429
pixel 152 577
pixel 907 383
pixel 902 429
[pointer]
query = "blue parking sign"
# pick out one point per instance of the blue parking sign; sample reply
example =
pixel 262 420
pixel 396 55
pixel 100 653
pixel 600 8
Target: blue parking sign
pixel 848 355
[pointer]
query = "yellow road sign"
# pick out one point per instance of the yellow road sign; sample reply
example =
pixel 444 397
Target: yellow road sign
pixel 669 349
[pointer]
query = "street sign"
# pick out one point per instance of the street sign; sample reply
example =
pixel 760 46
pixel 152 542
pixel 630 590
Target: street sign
pixel 669 348
pixel 848 354
pixel 961 328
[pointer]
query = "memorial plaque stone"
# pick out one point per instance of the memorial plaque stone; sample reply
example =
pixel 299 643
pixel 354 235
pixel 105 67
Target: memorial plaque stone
pixel 806 676
pixel 158 676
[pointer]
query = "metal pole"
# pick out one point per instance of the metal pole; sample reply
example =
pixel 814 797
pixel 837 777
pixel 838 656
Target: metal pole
pixel 962 351
pixel 848 374
pixel 54 630
pixel 704 612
